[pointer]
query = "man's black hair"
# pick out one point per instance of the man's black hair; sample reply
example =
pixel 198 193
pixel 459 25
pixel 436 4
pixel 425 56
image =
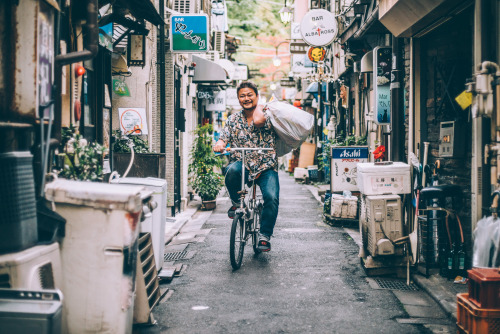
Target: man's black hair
pixel 247 84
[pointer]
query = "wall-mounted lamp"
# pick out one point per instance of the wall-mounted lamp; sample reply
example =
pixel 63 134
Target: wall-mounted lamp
pixel 136 50
pixel 286 14
pixel 273 86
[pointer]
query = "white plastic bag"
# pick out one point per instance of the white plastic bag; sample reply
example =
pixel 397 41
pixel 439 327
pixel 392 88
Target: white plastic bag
pixel 292 125
pixel 486 245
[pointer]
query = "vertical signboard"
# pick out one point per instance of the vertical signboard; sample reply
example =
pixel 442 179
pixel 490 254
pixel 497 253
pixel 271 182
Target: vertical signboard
pixel 189 33
pixel 344 166
pixel 45 56
pixel 382 59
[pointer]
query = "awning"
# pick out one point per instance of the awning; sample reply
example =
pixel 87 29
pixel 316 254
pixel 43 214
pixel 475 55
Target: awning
pixel 207 71
pixel 408 18
pixel 367 62
pixel 313 88
pixel 141 9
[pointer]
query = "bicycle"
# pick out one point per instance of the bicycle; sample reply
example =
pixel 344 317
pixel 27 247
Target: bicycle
pixel 246 221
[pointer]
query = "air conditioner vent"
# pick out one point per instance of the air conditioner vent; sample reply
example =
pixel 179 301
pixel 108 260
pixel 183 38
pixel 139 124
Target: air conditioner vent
pixel 46 276
pixel 220 42
pixel 5 281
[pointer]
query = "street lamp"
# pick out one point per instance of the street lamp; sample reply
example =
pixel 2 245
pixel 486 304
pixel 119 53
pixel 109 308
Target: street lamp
pixel 277 59
pixel 285 14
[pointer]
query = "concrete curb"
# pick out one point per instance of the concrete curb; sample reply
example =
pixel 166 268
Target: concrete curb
pixel 175 224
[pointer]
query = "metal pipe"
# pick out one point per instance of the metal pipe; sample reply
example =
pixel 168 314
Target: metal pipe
pixel 90 39
pixel 397 107
pixel 161 61
pixel 426 150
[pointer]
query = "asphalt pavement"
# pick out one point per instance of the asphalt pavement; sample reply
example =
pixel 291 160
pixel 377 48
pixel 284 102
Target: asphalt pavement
pixel 310 282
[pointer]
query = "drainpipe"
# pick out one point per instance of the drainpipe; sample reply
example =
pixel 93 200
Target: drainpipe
pixel 91 46
pixel 161 61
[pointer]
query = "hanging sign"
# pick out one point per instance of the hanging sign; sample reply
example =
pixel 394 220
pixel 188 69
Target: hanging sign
pixel 298 64
pixel 316 53
pixel 232 98
pixel 299 47
pixel 240 72
pixel 318 27
pixel 382 60
pixel 217 103
pixel 120 87
pixel 133 121
pixel 189 33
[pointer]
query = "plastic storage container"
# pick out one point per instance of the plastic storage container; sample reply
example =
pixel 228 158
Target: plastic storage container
pixel 98 253
pixel 484 287
pixel 344 207
pixel 383 179
pixel 300 173
pixel 30 311
pixel 18 222
pixel 156 225
pixel 312 172
pixel 474 320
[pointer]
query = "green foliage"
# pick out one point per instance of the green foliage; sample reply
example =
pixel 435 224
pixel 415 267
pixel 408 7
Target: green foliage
pixel 121 143
pixel 205 181
pixel 82 161
pixel 326 148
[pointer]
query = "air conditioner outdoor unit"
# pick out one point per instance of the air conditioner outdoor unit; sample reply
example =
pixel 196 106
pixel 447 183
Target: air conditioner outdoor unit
pixel 35 268
pixel 220 42
pixel 212 56
pixel 383 224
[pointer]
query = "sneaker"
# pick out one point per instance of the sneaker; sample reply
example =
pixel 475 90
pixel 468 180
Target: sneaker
pixel 231 212
pixel 263 245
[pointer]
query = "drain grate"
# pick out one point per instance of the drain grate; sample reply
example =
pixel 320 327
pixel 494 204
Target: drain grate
pixel 392 284
pixel 175 256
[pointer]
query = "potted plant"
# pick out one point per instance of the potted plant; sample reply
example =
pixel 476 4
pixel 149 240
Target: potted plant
pixel 203 178
pixel 80 160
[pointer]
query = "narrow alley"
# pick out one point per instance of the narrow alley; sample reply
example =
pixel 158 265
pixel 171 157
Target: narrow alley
pixel 310 282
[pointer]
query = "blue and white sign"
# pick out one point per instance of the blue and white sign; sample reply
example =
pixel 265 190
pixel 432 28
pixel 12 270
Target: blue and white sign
pixel 344 166
pixel 189 33
pixel 382 60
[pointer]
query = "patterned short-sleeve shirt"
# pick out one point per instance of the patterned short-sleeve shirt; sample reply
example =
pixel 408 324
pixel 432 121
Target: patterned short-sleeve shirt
pixel 238 133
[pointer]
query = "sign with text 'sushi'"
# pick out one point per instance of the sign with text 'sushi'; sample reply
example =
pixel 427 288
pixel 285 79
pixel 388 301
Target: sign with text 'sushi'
pixel 189 33
pixel 318 27
pixel 382 64
pixel 344 166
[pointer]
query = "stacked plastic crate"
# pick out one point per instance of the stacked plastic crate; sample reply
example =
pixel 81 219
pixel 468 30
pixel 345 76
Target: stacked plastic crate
pixel 479 310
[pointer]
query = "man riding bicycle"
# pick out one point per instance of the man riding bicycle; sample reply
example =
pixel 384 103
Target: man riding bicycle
pixel 251 127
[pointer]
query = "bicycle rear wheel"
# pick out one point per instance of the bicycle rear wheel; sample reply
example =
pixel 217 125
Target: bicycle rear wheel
pixel 237 241
pixel 255 234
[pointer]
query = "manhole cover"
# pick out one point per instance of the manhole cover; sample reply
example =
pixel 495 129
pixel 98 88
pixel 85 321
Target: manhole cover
pixel 392 284
pixel 175 256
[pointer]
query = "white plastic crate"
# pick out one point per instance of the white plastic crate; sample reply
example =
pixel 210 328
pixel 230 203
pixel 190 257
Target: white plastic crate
pixel 374 179
pixel 344 207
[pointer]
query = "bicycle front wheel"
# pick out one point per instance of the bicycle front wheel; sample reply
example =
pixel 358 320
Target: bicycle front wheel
pixel 237 241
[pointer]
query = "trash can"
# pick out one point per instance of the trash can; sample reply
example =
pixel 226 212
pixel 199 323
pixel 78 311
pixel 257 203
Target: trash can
pixel 30 311
pixel 156 225
pixel 98 253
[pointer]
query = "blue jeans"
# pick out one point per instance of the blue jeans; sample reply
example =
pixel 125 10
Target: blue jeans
pixel 269 185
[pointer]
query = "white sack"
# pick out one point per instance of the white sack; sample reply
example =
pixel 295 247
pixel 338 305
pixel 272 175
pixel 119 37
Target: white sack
pixel 292 125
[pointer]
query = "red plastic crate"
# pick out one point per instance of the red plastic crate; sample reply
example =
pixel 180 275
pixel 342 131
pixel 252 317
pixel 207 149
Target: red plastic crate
pixel 484 287
pixel 474 320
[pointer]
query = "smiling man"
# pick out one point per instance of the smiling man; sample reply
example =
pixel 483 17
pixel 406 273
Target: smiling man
pixel 252 128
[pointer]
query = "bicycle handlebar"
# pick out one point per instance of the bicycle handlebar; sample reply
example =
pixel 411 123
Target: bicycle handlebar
pixel 249 149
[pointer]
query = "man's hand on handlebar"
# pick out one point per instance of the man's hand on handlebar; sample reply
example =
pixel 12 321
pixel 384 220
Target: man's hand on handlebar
pixel 220 146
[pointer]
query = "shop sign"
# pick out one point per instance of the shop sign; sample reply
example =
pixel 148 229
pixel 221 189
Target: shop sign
pixel 240 72
pixel 45 51
pixel 217 103
pixel 298 64
pixel 106 36
pixel 133 121
pixel 295 32
pixel 120 88
pixel 232 98
pixel 205 95
pixel 189 33
pixel 299 47
pixel 382 60
pixel 318 27
pixel 287 83
pixel 316 53
pixel 344 167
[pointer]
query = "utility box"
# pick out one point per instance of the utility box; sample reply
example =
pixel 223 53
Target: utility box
pixel 344 174
pixel 384 178
pixel 383 224
pixel 450 140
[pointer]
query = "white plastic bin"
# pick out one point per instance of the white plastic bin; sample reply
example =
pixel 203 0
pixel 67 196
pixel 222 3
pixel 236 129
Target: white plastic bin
pixel 98 253
pixel 344 207
pixel 156 225
pixel 374 179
